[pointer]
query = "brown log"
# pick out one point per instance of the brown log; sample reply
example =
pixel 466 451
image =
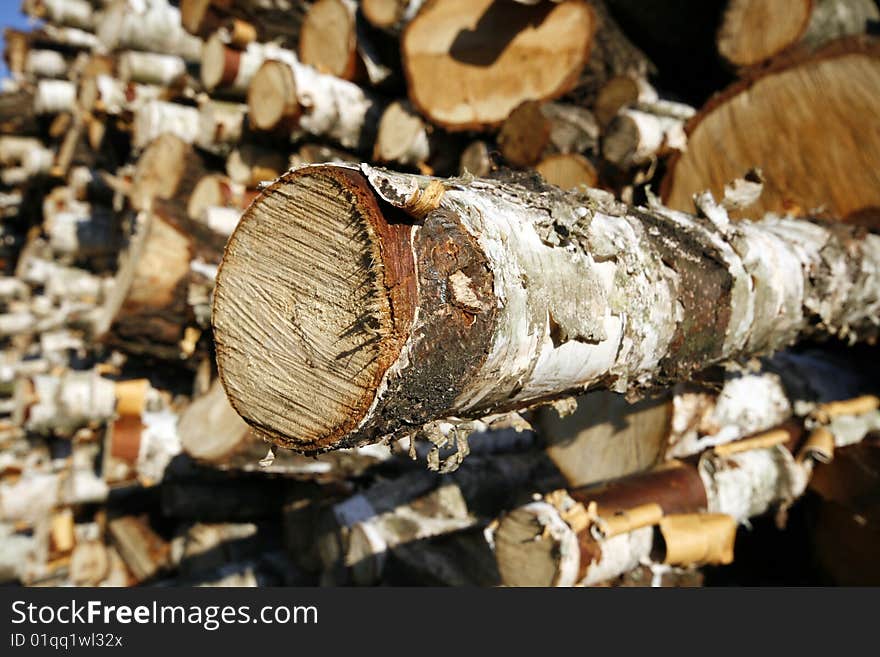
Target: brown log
pixel 149 311
pixel 752 31
pixel 499 54
pixel 822 168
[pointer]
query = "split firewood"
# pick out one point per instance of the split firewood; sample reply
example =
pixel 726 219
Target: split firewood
pixel 499 54
pixel 803 175
pixel 606 331
pixel 754 32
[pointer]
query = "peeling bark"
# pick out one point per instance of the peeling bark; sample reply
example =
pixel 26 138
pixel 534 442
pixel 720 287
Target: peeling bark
pixel 482 324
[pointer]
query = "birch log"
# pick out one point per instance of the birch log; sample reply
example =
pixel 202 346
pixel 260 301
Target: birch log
pixel 564 540
pixel 229 71
pixel 533 294
pixel 70 13
pixel 753 31
pixel 154 27
pixel 150 68
pixel 334 40
pixel 640 134
pixel 267 20
pixel 534 131
pixel 296 99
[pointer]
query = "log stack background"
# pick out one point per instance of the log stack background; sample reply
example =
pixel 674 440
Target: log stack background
pixel 134 133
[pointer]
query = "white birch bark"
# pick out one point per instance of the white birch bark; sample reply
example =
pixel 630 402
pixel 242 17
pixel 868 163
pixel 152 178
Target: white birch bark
pixel 150 68
pixel 156 117
pixel 45 64
pixel 54 96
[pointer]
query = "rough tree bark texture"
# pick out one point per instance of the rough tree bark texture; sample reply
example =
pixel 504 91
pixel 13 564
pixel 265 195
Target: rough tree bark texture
pixel 418 300
pixel 826 167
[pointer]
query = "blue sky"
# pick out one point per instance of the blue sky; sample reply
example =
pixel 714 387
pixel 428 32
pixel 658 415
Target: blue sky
pixel 10 16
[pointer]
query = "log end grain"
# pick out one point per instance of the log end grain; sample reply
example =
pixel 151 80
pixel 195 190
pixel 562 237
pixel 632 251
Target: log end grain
pixel 753 31
pixel 328 40
pixel 499 54
pixel 527 555
pixel 304 310
pixel 271 96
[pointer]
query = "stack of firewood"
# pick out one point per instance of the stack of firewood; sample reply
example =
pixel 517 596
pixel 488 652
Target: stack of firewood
pixel 418 377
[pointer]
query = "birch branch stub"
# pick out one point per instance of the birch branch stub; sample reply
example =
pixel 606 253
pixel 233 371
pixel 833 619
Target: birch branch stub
pixel 496 330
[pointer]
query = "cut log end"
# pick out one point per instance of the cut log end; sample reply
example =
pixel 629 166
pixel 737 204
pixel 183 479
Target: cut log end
pixel 308 255
pixel 526 554
pixel 383 14
pixel 159 169
pixel 272 96
pixel 218 65
pixel 755 30
pixel 812 166
pixel 328 40
pixel 499 53
pixel 568 171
